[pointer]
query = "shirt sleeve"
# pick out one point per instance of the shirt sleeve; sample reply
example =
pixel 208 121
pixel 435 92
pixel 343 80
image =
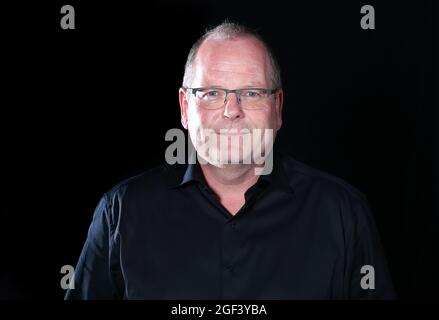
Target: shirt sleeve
pixel 367 275
pixel 93 273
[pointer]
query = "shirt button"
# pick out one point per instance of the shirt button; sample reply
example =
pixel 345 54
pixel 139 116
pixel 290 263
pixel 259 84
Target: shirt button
pixel 230 269
pixel 233 225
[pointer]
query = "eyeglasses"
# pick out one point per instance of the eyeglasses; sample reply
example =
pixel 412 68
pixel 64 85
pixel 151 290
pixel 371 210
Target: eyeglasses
pixel 215 98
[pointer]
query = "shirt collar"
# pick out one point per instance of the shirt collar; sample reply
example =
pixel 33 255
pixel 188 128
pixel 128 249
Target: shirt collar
pixel 186 175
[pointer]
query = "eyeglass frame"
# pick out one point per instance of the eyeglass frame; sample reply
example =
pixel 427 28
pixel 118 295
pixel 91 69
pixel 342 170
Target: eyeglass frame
pixel 269 92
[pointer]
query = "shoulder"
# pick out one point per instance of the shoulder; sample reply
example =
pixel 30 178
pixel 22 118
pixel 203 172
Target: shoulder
pixel 329 195
pixel 156 179
pixel 330 198
pixel 148 186
pixel 304 177
pixel 139 191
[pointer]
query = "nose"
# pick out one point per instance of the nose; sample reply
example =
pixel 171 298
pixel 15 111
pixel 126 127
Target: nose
pixel 232 109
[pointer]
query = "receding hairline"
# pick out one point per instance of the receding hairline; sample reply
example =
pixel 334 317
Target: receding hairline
pixel 231 31
pixel 211 40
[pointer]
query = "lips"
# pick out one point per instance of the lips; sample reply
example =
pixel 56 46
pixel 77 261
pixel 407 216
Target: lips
pixel 233 132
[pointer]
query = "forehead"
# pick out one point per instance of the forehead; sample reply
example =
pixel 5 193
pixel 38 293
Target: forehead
pixel 232 59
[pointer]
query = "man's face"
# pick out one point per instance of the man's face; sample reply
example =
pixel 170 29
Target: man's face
pixel 230 64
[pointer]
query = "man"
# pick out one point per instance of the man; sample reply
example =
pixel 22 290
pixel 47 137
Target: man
pixel 219 229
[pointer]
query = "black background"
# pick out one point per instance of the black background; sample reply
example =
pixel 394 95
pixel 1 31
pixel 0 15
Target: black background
pixel 83 109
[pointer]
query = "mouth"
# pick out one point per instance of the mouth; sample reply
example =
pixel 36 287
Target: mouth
pixel 233 132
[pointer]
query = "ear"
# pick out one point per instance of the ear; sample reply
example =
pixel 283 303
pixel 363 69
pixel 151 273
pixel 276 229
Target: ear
pixel 278 107
pixel 183 106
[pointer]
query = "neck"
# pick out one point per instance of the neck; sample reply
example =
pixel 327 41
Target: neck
pixel 230 180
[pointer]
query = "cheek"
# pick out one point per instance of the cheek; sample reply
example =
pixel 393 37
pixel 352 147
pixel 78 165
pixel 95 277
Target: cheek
pixel 262 119
pixel 193 117
pixel 200 119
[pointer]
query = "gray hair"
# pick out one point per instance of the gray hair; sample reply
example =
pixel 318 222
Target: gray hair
pixel 227 31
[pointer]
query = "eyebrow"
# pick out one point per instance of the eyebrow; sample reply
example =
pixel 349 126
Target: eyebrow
pixel 241 87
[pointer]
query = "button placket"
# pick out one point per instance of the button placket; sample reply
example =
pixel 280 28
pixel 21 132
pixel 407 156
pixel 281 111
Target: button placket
pixel 232 252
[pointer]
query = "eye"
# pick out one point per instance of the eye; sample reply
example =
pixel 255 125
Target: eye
pixel 252 94
pixel 212 93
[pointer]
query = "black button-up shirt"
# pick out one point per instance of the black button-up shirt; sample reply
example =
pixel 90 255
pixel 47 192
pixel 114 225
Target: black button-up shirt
pixel 302 234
